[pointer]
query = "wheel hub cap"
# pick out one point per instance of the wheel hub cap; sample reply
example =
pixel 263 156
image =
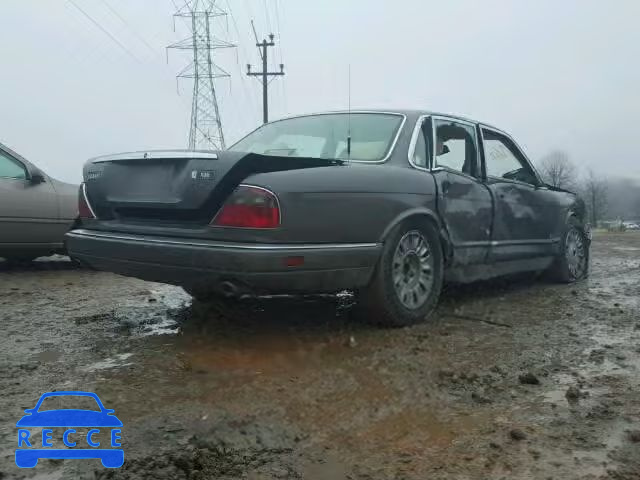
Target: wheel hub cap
pixel 575 253
pixel 413 270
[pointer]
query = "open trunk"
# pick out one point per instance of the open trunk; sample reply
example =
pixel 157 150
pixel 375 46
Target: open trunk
pixel 175 188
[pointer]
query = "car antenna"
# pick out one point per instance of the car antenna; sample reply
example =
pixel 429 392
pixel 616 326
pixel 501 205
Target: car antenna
pixel 349 119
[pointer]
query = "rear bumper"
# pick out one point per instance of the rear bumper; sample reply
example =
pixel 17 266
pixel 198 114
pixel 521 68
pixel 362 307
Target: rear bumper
pixel 208 264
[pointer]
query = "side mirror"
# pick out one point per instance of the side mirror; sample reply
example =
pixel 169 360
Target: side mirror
pixel 36 176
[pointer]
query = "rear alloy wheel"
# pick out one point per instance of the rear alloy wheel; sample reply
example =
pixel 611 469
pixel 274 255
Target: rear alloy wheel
pixel 572 264
pixel 412 269
pixel 407 282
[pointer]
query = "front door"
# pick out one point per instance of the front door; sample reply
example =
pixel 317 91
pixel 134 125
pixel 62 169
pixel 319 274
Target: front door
pixel 522 227
pixel 464 201
pixel 28 212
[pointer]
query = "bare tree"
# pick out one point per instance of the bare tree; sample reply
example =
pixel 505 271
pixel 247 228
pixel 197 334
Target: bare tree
pixel 558 171
pixel 594 192
pixel 623 199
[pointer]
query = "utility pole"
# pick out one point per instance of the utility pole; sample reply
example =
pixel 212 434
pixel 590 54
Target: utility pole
pixel 265 74
pixel 206 125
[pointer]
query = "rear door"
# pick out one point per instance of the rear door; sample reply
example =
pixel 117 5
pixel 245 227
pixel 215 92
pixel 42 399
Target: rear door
pixel 28 212
pixel 464 201
pixel 524 215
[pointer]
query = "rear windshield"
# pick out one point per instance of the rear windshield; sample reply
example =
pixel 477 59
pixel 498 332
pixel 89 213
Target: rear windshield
pixel 325 136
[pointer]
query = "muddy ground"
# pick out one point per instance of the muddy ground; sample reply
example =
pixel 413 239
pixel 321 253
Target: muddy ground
pixel 293 388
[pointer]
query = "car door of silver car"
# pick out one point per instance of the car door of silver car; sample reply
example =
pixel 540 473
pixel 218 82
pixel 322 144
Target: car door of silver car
pixel 463 200
pixel 28 210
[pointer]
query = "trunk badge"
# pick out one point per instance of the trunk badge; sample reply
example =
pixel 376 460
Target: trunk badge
pixel 202 174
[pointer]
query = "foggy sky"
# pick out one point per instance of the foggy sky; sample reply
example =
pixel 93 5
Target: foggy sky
pixel 555 74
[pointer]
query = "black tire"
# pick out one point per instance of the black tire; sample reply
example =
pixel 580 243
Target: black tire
pixel 565 269
pixel 380 302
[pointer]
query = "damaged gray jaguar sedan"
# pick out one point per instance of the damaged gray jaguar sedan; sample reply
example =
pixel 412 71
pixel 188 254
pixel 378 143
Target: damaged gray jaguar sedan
pixel 387 204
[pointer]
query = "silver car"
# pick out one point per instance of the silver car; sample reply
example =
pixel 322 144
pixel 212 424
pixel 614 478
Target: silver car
pixel 35 210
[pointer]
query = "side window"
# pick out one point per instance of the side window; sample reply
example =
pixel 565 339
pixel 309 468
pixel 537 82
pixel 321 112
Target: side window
pixel 503 160
pixel 455 147
pixel 10 168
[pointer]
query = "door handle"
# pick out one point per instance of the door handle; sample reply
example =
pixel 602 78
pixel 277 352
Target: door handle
pixel 446 185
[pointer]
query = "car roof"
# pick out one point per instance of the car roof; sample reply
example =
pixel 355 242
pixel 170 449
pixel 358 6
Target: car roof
pixel 397 111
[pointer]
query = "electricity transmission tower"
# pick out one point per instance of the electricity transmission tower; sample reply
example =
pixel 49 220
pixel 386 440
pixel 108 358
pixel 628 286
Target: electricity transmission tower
pixel 206 125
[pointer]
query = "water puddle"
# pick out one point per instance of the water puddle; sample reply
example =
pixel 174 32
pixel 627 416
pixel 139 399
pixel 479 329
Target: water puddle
pixel 157 313
pixel 118 361
pixel 262 353
pixel 558 395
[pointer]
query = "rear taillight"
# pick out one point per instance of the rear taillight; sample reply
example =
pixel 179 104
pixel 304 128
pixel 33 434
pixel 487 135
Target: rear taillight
pixel 249 207
pixel 84 208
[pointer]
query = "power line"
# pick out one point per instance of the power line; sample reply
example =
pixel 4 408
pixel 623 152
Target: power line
pixel 279 31
pixel 268 17
pixel 247 90
pixel 104 30
pixel 133 30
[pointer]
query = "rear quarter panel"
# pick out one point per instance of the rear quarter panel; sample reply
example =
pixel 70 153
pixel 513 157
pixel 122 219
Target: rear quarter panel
pixel 67 199
pixel 345 204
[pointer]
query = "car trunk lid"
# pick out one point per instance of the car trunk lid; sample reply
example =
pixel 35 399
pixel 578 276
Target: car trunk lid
pixel 183 187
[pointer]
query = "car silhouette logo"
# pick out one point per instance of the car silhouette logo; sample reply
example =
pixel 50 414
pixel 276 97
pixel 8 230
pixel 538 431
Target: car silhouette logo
pixel 27 453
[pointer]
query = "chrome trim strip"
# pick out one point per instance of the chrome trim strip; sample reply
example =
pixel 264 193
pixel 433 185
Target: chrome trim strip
pixel 505 243
pixel 155 155
pixel 86 200
pixel 82 233
pixel 414 141
pixel 479 243
pixel 55 221
pixel 462 122
pixel 353 112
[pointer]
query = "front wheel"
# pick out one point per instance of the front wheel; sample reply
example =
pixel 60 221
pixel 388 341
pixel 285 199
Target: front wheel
pixel 406 284
pixel 572 264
